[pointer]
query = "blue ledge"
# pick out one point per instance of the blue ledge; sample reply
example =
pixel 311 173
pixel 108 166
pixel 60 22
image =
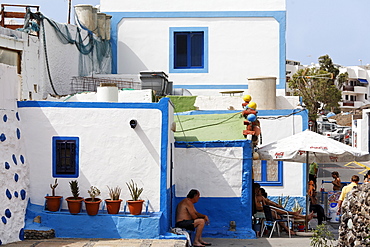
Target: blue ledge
pixel 102 225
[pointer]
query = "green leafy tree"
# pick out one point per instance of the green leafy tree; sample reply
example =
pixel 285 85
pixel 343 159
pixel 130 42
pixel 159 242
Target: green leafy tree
pixel 317 86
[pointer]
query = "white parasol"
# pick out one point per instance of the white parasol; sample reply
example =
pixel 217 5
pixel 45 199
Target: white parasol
pixel 316 147
pixel 308 146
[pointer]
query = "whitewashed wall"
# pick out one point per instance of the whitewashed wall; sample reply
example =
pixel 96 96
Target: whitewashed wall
pixel 361 128
pixel 274 130
pixel 14 180
pixel 111 152
pixel 63 61
pixel 216 172
pixel 232 43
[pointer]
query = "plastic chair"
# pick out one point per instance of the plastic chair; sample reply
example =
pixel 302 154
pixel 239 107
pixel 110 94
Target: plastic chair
pixel 274 223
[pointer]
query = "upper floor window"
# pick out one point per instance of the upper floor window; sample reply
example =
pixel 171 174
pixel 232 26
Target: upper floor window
pixel 65 157
pixel 188 50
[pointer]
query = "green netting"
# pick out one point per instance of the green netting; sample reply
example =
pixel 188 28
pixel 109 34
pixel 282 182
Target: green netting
pixel 95 53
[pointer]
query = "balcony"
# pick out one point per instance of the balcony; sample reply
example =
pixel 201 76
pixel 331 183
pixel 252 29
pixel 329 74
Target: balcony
pixel 348 88
pixel 348 103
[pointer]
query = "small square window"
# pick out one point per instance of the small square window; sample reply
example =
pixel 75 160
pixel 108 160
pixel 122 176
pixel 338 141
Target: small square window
pixel 188 50
pixel 268 173
pixel 65 157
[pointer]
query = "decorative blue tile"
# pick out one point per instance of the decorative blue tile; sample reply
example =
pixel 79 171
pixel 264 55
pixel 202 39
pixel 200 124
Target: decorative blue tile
pixel 18 134
pixel 21 234
pixel 8 214
pixel 16 177
pixel 23 194
pixel 22 159
pixel 16 194
pixel 7 166
pixel 2 137
pixel 3 219
pixel 8 194
pixel 17 116
pixel 5 118
pixel 14 159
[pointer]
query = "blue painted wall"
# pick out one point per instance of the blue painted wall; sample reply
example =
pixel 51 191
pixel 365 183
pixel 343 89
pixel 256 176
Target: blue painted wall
pixel 222 210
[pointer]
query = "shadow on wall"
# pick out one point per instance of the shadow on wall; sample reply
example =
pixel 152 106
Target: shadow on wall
pixel 129 61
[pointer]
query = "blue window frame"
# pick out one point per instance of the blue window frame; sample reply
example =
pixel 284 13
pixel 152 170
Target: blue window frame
pixel 188 50
pixel 65 157
pixel 268 173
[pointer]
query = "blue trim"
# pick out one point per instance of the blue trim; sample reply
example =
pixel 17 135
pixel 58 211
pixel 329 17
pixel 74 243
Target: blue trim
pixel 279 16
pixel 54 155
pixel 210 144
pixel 172 48
pixel 241 86
pixel 303 114
pixel 264 181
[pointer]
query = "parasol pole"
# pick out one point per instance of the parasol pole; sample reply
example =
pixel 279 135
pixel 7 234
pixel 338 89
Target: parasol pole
pixel 307 182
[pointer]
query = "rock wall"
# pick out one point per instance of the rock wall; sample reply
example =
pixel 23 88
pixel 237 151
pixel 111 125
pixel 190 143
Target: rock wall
pixel 354 229
pixel 13 161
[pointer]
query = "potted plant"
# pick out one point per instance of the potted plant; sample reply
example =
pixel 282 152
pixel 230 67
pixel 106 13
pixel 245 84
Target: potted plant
pixel 74 202
pixel 114 203
pixel 135 205
pixel 92 204
pixel 53 202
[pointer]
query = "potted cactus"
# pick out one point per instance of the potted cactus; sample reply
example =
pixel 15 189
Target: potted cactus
pixel 74 202
pixel 135 205
pixel 53 201
pixel 114 203
pixel 92 204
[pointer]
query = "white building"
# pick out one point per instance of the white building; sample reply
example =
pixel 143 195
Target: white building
pixel 240 41
pixel 231 41
pixel 356 90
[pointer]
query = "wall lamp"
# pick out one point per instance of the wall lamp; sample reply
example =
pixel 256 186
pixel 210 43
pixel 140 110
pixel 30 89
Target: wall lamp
pixel 133 123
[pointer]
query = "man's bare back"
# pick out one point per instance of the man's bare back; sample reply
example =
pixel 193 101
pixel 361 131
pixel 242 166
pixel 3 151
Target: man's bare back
pixel 184 210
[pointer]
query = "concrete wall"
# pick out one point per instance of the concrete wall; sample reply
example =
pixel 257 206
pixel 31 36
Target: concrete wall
pixel 28 46
pixel 14 169
pixel 63 60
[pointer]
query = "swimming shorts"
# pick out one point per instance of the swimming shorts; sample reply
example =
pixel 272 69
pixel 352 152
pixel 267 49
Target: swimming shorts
pixel 187 224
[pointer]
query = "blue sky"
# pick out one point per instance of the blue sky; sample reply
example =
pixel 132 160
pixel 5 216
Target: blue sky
pixel 339 28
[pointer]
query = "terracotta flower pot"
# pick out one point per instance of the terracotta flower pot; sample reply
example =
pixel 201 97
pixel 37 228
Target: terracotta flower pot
pixel 53 203
pixel 113 206
pixel 74 205
pixel 92 207
pixel 135 207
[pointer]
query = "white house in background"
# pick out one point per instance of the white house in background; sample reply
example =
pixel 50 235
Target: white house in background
pixel 204 46
pixel 355 91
